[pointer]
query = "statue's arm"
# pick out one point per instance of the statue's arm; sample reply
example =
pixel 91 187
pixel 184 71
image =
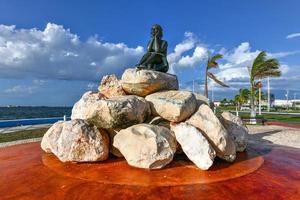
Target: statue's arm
pixel 160 48
pixel 150 43
pixel 156 45
pixel 164 48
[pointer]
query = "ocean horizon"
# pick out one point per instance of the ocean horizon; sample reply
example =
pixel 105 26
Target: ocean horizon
pixel 30 112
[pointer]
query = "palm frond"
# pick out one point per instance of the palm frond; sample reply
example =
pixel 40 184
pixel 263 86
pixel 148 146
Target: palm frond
pixel 213 77
pixel 268 74
pixel 258 61
pixel 212 61
pixel 263 67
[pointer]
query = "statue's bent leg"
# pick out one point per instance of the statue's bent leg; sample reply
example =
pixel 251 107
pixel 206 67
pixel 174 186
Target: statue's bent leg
pixel 151 59
pixel 143 61
pixel 163 66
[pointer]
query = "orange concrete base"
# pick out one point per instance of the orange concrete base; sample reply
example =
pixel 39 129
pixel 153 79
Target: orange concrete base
pixel 260 173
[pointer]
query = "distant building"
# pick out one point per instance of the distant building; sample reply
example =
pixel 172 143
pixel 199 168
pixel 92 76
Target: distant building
pixel 285 103
pixel 217 103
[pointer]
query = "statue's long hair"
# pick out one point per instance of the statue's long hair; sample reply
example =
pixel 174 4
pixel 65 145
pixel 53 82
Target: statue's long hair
pixel 160 35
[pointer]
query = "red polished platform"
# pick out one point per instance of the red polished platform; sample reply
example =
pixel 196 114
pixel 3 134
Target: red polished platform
pixel 260 173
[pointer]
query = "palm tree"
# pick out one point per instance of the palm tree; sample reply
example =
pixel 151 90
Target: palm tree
pixel 242 97
pixel 261 68
pixel 212 63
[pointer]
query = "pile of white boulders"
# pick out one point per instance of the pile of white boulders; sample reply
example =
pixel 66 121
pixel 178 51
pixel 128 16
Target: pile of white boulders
pixel 145 118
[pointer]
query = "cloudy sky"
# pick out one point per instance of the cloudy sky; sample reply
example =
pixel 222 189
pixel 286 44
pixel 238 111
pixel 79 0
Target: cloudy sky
pixel 53 51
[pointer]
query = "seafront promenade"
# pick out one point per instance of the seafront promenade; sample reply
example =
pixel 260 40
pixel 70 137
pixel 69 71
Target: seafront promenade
pixel 21 131
pixel 23 128
pixel 31 121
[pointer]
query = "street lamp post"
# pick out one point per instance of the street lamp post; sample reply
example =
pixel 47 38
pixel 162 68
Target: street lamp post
pixel 269 102
pixel 295 100
pixel 259 101
pixel 287 99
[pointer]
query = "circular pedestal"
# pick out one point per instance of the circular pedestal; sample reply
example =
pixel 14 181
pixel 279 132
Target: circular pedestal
pixel 179 172
pixel 263 172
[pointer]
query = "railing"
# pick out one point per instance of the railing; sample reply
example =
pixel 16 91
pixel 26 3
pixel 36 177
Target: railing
pixel 34 121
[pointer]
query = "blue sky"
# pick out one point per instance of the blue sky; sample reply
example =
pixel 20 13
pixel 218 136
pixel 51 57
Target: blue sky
pixel 53 51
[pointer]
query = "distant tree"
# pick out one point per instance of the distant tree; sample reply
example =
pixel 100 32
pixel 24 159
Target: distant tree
pixel 231 102
pixel 242 97
pixel 223 102
pixel 263 96
pixel 260 69
pixel 212 63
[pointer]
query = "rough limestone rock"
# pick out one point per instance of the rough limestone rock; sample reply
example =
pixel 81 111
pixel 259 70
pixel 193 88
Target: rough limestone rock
pixel 76 141
pixel 237 130
pixel 201 99
pixel 145 82
pixel 113 150
pixel 81 107
pixel 116 112
pixel 205 120
pixel 146 146
pixel 172 105
pixel 160 122
pixel 110 87
pixel 194 145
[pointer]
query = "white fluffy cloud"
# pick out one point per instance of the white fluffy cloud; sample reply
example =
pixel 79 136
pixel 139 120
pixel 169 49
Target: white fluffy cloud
pixel 56 53
pixel 292 35
pixel 238 60
pixel 180 57
pixel 236 63
pixel 21 89
pixel 283 54
pixel 234 70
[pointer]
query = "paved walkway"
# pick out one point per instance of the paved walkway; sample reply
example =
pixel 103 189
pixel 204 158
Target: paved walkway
pixel 274 135
pixel 283 124
pixel 7 144
pixel 23 128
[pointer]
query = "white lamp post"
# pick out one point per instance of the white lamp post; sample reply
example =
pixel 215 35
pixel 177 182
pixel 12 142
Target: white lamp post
pixel 259 101
pixel 269 102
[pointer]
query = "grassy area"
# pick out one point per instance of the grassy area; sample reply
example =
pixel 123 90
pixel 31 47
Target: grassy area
pixel 21 135
pixel 272 117
pixel 281 118
pixel 264 109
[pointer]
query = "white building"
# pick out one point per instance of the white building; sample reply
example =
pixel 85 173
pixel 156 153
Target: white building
pixel 285 103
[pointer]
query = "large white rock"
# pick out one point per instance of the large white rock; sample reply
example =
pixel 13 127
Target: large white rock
pixel 82 107
pixel 237 130
pixel 116 112
pixel 201 99
pixel 146 146
pixel 159 121
pixel 144 82
pixel 205 120
pixel 172 105
pixel 194 145
pixel 77 141
pixel 110 86
pixel 113 150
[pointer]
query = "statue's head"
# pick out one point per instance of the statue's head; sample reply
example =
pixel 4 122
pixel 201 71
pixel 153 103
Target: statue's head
pixel 156 30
